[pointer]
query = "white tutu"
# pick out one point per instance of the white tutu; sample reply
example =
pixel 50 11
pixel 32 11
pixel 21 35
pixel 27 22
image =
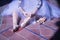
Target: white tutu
pixel 30 5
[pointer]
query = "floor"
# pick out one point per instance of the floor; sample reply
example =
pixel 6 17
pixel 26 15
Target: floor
pixel 31 32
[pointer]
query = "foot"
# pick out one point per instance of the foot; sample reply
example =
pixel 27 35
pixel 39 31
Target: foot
pixel 16 29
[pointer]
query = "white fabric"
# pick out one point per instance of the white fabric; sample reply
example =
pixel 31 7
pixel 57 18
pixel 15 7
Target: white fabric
pixel 29 5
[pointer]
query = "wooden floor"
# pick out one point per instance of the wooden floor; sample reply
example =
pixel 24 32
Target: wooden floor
pixel 31 32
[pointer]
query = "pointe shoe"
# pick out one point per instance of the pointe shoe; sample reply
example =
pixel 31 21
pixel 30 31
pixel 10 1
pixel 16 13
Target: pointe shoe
pixel 16 29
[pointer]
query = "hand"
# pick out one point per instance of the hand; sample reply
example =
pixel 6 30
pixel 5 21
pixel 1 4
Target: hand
pixel 41 20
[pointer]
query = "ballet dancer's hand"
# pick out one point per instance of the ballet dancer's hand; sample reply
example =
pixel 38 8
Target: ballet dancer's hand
pixel 41 20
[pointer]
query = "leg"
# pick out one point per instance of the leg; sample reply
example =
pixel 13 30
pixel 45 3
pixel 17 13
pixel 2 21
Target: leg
pixel 25 22
pixel 15 16
pixel 15 21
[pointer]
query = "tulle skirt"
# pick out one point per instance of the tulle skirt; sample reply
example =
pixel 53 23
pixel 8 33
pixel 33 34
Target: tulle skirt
pixel 47 9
